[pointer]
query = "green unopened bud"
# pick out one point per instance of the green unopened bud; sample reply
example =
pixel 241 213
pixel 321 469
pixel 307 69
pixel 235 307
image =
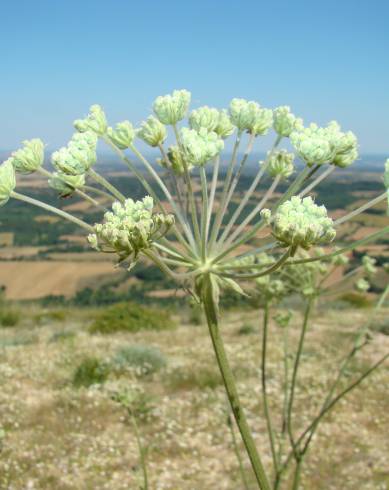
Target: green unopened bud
pixel 312 145
pixel 284 122
pixel 346 145
pixel 362 285
pixel 64 184
pixel 123 135
pixel 224 127
pixel 78 156
pixel 204 117
pixel 249 116
pixel 200 146
pixel 301 223
pixel 283 318
pixel 280 164
pixel 7 180
pixel 95 121
pixel 29 158
pixel 170 109
pixel 152 132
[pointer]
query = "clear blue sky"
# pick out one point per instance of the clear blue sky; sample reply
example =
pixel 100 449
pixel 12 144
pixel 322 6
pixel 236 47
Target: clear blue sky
pixel 328 60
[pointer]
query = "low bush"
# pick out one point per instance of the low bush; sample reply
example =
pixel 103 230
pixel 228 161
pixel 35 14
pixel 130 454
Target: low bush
pixel 50 316
pixel 146 359
pixel 131 317
pixel 9 317
pixel 89 372
pixel 203 378
pixel 357 300
pixel 246 329
pixel 18 341
pixel 62 335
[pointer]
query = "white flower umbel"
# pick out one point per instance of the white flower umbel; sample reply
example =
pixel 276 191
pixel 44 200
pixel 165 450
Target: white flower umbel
pixel 66 185
pixel 204 117
pixel 200 146
pixel 250 116
pixel 224 127
pixel 280 164
pixel 123 135
pixel 170 109
pixel 301 223
pixel 7 181
pixel 78 156
pixel 130 228
pixel 95 121
pixel 284 122
pixel 152 132
pixel 29 158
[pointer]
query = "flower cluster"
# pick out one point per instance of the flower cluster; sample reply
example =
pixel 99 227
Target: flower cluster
pixel 130 228
pixel 280 164
pixel 284 122
pixel 95 121
pixel 301 223
pixel 250 116
pixel 316 145
pixel 212 120
pixel 64 184
pixel 29 158
pixel 152 132
pixel 200 146
pixel 123 135
pixel 7 181
pixel 170 109
pixel 78 156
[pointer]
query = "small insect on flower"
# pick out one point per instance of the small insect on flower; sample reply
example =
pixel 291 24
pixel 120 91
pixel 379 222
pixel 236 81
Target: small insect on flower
pixel 66 184
pixel 7 181
pixel 130 228
pixel 29 158
pixel 301 223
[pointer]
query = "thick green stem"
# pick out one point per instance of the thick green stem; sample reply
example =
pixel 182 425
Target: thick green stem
pixel 297 475
pixel 237 453
pixel 264 388
pixel 210 308
pixel 141 450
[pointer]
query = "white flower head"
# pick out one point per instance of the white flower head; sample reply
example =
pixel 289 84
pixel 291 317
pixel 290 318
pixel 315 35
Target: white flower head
pixel 123 135
pixel 170 109
pixel 301 223
pixel 130 228
pixel 29 158
pixel 95 121
pixel 64 184
pixel 7 180
pixel 152 132
pixel 280 164
pixel 250 116
pixel 204 117
pixel 200 146
pixel 78 156
pixel 224 127
pixel 284 122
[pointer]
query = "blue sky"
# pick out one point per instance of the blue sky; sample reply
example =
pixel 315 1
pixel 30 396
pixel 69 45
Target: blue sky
pixel 328 60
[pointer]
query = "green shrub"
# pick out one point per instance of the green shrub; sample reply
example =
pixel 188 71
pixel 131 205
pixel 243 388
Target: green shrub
pixel 146 358
pixel 50 316
pixel 90 371
pixel 202 378
pixel 246 329
pixel 131 317
pixel 357 300
pixel 9 317
pixel 62 335
pixel 18 341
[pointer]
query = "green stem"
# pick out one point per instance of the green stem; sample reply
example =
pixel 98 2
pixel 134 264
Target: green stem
pixel 104 182
pixel 297 475
pixel 204 214
pixel 237 453
pixel 307 312
pixel 317 181
pixel 141 450
pixel 213 192
pixel 52 209
pixel 210 308
pixel 362 208
pixel 264 388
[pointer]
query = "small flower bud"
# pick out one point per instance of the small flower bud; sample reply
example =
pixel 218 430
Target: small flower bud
pixel 152 132
pixel 266 215
pixel 368 264
pixel 200 146
pixel 284 122
pixel 78 156
pixel 224 127
pixel 66 184
pixel 280 164
pixel 29 158
pixel 170 109
pixel 301 223
pixel 95 121
pixel 123 135
pixel 362 285
pixel 249 116
pixel 204 117
pixel 7 180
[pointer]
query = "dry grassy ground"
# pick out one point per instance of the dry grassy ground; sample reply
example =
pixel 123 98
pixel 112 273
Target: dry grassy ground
pixel 60 437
